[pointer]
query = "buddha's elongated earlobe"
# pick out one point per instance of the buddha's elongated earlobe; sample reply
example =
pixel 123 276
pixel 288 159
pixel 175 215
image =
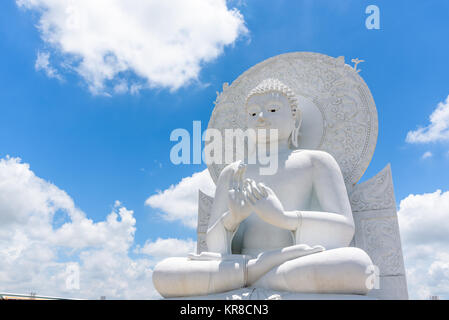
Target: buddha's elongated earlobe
pixel 295 132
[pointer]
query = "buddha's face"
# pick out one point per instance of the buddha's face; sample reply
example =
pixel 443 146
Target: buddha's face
pixel 270 111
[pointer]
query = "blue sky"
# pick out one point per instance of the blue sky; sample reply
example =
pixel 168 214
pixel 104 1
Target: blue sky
pixel 101 148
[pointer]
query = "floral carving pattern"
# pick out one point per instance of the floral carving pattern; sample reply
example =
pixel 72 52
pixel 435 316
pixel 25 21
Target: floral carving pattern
pixel 204 208
pixel 374 194
pixel 383 245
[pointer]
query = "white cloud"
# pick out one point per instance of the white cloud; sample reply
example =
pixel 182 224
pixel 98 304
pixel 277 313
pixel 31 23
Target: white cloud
pixel 437 130
pixel 43 63
pixel 427 155
pixel 35 254
pixel 141 43
pixel 43 199
pixel 180 202
pixel 163 248
pixel 424 222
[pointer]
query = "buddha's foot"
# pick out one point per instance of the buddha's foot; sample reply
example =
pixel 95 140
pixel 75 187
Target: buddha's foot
pixel 267 260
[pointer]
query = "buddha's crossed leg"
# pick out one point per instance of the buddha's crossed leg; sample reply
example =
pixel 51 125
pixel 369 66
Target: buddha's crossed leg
pixel 342 270
pixel 297 268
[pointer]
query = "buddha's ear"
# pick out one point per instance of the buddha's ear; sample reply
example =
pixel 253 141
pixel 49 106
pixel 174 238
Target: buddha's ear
pixel 298 118
pixel 294 136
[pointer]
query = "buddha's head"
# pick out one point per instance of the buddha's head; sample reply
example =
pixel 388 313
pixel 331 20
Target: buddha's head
pixel 273 105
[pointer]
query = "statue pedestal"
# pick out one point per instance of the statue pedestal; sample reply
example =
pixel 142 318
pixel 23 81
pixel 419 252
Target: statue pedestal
pixel 265 294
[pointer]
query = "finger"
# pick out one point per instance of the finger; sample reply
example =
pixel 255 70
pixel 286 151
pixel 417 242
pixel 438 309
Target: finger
pixel 249 198
pixel 247 181
pixel 241 195
pixel 267 189
pixel 240 173
pixel 234 179
pixel 262 190
pixel 246 189
pixel 250 194
pixel 246 184
pixel 232 183
pixel 256 191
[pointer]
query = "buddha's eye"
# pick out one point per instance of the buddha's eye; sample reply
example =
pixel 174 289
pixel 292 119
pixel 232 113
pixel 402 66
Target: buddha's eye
pixel 273 109
pixel 253 114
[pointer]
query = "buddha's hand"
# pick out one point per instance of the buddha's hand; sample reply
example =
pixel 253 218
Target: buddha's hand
pixel 239 207
pixel 264 202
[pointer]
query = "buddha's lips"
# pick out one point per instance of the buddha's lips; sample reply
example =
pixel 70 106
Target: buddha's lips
pixel 263 125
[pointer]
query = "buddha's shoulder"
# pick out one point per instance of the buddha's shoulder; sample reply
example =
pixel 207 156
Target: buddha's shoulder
pixel 314 156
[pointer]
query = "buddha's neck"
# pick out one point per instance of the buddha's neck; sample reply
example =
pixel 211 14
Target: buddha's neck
pixel 283 146
pixel 279 146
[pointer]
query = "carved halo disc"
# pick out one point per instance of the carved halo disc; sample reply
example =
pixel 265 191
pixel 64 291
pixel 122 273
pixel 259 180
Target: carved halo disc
pixel 339 115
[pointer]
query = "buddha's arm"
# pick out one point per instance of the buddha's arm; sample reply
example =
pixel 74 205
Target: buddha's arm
pixel 218 238
pixel 223 222
pixel 333 226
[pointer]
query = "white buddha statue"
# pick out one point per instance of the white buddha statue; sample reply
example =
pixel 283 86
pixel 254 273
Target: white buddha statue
pixel 289 231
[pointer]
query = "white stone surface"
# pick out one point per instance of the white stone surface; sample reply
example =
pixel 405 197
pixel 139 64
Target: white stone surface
pixel 204 208
pixel 377 232
pixel 391 288
pixel 288 235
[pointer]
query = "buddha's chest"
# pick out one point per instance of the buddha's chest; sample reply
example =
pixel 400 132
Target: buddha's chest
pixel 292 183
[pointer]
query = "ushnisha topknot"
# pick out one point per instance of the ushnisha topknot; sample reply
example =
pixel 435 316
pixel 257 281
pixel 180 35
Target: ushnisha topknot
pixel 274 85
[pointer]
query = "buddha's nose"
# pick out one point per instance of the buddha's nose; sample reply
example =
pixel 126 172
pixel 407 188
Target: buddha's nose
pixel 261 116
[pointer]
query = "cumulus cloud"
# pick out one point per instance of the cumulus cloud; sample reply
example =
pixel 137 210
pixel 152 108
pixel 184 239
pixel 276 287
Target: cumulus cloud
pixel 43 64
pixel 424 222
pixel 37 256
pixel 133 43
pixel 437 130
pixel 19 183
pixel 427 155
pixel 163 248
pixel 180 202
